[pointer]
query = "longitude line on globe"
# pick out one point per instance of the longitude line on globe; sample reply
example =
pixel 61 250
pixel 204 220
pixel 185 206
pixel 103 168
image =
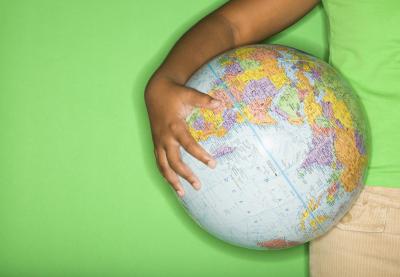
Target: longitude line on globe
pixel 237 106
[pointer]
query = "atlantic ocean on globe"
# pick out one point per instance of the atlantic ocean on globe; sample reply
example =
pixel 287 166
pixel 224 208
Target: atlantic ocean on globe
pixel 291 143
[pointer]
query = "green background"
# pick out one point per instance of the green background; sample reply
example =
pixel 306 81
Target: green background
pixel 80 194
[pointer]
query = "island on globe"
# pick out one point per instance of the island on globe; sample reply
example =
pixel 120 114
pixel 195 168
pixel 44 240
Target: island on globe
pixel 291 144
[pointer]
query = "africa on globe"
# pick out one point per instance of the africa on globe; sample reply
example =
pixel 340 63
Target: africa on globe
pixel 291 144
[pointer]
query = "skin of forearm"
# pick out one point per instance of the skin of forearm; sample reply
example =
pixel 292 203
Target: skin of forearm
pixel 210 36
pixel 227 28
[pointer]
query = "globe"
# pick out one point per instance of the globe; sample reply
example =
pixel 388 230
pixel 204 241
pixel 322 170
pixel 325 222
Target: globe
pixel 291 144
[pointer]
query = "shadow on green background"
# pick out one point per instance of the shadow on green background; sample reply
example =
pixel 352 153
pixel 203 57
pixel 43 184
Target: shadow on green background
pixel 80 193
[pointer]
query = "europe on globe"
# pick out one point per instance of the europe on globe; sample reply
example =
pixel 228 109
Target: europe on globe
pixel 291 142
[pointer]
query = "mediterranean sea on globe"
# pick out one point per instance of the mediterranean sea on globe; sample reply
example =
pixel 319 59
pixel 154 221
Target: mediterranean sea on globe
pixel 291 142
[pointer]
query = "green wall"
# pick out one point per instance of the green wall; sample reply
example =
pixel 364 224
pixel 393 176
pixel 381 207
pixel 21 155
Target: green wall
pixel 80 194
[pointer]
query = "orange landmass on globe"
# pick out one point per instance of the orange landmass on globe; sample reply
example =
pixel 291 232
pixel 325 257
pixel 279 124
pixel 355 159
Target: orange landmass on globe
pixel 348 154
pixel 277 243
pixel 256 111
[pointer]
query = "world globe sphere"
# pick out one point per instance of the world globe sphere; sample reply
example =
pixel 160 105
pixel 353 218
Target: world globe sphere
pixel 291 143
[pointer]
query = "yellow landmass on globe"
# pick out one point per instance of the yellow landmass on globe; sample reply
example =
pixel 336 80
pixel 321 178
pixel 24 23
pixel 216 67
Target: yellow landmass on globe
pixel 340 110
pixel 311 108
pixel 317 219
pixel 275 73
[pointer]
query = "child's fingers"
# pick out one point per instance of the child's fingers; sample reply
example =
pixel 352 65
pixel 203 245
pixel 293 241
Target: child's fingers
pixel 194 149
pixel 202 100
pixel 176 163
pixel 167 172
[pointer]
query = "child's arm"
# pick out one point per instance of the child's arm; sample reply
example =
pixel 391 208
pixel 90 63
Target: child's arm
pixel 168 101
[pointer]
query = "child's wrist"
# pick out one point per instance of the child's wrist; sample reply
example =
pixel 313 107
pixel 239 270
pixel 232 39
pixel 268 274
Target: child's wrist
pixel 169 75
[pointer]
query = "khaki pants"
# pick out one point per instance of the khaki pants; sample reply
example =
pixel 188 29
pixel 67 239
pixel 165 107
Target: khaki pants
pixel 366 242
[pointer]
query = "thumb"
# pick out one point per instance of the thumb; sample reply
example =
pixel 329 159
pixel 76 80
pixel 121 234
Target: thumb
pixel 202 100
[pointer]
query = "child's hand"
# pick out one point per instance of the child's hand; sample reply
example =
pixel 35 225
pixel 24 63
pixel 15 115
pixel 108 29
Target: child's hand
pixel 168 104
pixel 236 23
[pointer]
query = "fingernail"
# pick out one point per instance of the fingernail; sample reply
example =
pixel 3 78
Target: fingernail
pixel 180 193
pixel 211 164
pixel 196 185
pixel 215 103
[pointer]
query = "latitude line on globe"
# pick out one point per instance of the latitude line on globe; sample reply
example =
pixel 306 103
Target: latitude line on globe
pixel 227 90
